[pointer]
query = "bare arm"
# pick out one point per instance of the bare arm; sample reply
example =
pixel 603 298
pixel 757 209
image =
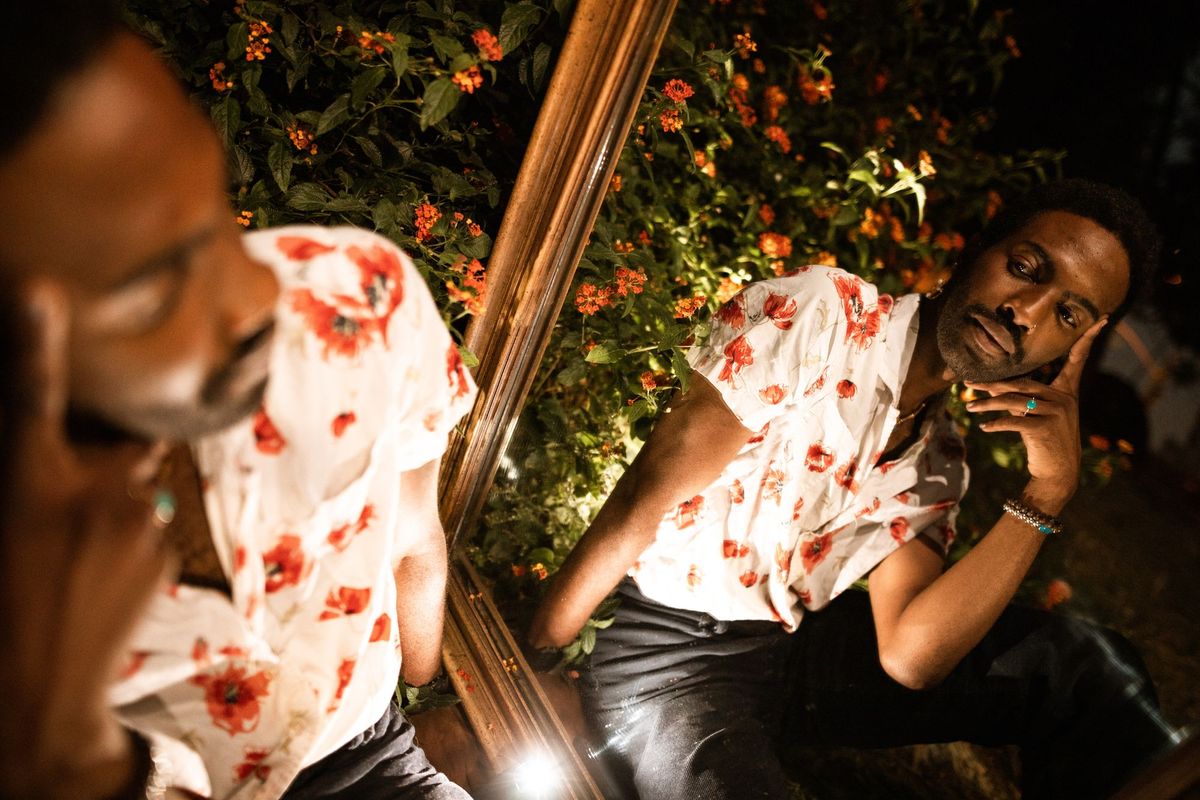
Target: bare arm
pixel 926 621
pixel 421 577
pixel 689 446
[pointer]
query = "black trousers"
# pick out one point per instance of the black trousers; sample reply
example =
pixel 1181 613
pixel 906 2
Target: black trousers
pixel 686 706
pixel 384 762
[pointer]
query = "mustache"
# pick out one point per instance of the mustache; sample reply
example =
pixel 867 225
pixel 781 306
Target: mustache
pixel 1018 354
pixel 217 387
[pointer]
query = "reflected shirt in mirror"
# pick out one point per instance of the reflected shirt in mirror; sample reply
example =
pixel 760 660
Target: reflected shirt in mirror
pixel 303 501
pixel 813 362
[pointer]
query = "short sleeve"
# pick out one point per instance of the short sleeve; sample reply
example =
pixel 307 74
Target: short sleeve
pixel 431 387
pixel 770 346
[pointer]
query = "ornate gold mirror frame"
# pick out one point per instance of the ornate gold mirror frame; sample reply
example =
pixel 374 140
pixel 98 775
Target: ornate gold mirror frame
pixel 602 69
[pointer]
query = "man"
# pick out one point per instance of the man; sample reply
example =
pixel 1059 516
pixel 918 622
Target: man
pixel 812 449
pixel 316 383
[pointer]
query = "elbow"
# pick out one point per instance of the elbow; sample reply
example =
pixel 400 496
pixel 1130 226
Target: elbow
pixel 909 669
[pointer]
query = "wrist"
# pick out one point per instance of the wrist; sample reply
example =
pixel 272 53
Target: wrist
pixel 1048 497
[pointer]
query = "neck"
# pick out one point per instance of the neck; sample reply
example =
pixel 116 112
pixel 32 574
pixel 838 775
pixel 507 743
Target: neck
pixel 927 373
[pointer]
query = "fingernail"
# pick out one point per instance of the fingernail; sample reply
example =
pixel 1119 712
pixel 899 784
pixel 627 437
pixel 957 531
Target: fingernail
pixel 970 406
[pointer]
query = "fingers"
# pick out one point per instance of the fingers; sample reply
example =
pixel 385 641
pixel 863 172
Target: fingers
pixel 1071 373
pixel 46 364
pixel 1016 403
pixel 1018 424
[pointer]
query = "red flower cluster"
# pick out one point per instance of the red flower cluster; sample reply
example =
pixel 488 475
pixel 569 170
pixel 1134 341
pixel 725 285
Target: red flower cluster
pixel 775 245
pixel 468 80
pixel 774 99
pixel 630 281
pixel 678 90
pixel 685 307
pixel 590 298
pixel 375 42
pixel 217 75
pixel 739 95
pixel 489 45
pixel 424 219
pixel 816 89
pixel 670 121
pixel 777 135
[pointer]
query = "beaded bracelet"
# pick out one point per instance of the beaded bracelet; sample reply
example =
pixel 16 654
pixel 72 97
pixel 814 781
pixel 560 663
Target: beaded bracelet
pixel 1044 523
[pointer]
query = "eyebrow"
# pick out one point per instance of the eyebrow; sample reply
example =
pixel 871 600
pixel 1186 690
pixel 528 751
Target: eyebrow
pixel 1049 263
pixel 174 254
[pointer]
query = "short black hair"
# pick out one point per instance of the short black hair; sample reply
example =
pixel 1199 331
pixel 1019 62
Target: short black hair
pixel 1109 207
pixel 80 28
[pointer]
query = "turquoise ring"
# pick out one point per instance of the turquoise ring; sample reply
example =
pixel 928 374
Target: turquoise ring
pixel 1031 405
pixel 164 507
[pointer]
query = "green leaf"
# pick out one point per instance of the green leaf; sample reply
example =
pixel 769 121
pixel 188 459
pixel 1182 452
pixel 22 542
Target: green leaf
pixel 365 83
pixel 227 119
pixel 470 360
pixel 440 98
pixel 461 62
pixel 587 640
pixel 541 60
pixel 572 375
pixel 604 354
pixel 400 56
pixel 236 41
pixel 307 197
pixel 636 411
pixel 370 150
pixel 445 47
pixel 241 166
pixel 384 215
pixel 279 159
pixel 516 23
pixel 345 204
pixel 335 114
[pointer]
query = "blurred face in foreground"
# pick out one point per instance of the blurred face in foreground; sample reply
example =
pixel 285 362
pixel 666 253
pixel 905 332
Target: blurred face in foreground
pixel 117 199
pixel 1029 297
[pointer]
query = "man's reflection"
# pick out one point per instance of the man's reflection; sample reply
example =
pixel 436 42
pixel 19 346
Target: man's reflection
pixel 813 449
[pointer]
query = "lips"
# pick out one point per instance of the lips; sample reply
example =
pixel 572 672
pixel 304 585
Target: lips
pixel 995 333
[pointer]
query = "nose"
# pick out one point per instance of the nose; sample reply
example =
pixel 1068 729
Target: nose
pixel 1028 307
pixel 249 290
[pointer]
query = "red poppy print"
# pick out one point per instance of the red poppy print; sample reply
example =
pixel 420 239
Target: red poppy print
pixel 344 602
pixel 772 395
pixel 773 481
pixel 200 652
pixel 780 309
pixel 862 323
pixel 844 476
pixel 733 313
pixel 806 597
pixel 267 437
pixel 239 559
pixel 797 508
pixel 758 437
pixel 738 354
pixel 381 277
pixel 731 549
pixel 783 562
pixel 748 578
pixel 456 372
pixel 902 497
pixel 343 332
pixel 899 529
pixel 942 505
pixel 694 576
pixel 284 564
pixel 687 512
pixel 343 421
pixel 340 536
pixel 818 458
pixel 814 549
pixel 869 509
pixel 344 673
pixel 948 533
pixel 816 385
pixel 737 493
pixel 251 764
pixel 233 697
pixel 846 389
pixel 382 629
pixel 301 248
pixel 134 664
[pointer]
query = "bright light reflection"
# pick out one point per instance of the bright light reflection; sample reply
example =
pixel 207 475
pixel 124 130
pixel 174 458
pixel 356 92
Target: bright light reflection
pixel 537 777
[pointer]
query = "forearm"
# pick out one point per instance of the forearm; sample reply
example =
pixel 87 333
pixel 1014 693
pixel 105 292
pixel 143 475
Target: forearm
pixel 946 619
pixel 595 566
pixel 79 764
pixel 420 609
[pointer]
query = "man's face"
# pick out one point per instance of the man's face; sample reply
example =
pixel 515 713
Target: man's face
pixel 1028 298
pixel 117 198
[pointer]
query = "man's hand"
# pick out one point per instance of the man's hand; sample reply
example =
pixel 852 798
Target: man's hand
pixel 80 556
pixel 1050 429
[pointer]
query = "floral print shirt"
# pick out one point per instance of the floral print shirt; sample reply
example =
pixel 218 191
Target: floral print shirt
pixel 813 362
pixel 303 502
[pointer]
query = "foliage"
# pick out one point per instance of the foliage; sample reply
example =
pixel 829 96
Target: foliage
pixel 409 118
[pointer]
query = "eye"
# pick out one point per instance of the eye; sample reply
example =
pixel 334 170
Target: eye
pixel 1018 267
pixel 1067 315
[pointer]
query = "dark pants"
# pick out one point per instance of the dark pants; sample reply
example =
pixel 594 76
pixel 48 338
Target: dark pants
pixel 686 706
pixel 381 763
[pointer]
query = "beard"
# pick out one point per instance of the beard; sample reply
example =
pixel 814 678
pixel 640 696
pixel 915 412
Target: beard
pixel 955 327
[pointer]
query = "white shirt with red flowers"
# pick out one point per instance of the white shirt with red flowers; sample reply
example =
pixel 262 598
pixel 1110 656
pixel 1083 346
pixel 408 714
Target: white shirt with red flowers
pixel 814 363
pixel 303 502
